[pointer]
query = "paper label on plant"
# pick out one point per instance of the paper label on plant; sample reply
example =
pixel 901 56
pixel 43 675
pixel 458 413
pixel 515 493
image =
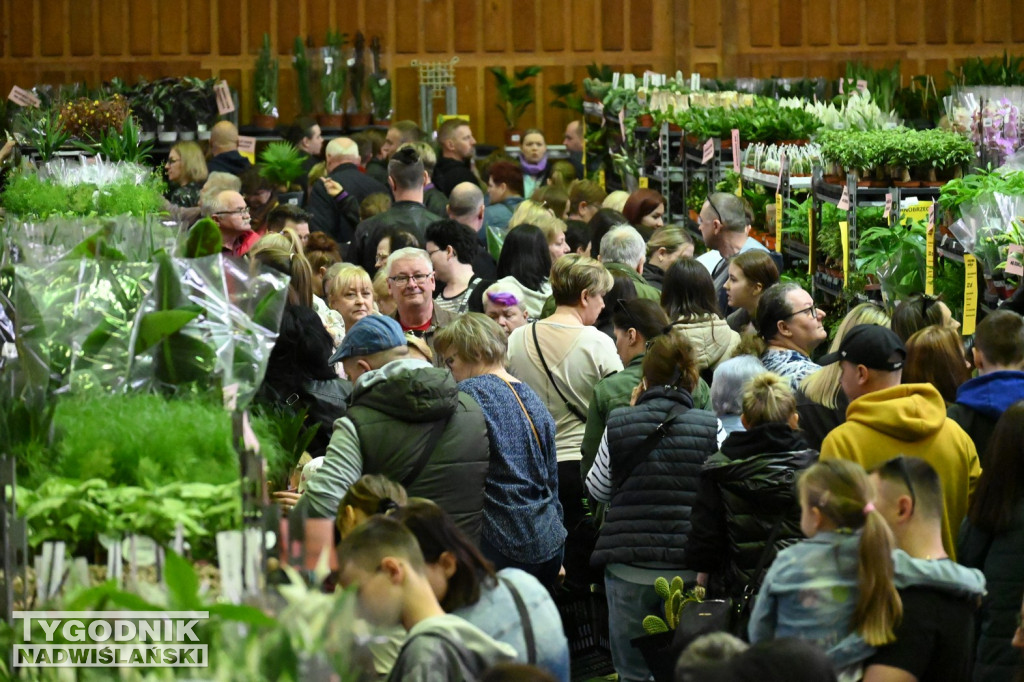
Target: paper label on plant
pixel 615 79
pixel 810 238
pixel 647 80
pixel 970 295
pixel 352 61
pixel 1015 260
pixel 778 222
pixel 735 150
pixel 783 170
pixel 23 98
pixel 709 150
pixel 629 81
pixel 695 81
pixel 643 182
pixel 328 60
pixel 888 206
pixel 225 105
pixel 844 200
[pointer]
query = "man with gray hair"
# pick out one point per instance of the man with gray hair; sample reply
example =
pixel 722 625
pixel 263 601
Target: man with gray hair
pixel 466 206
pixel 623 251
pixel 411 285
pixel 723 225
pixel 334 201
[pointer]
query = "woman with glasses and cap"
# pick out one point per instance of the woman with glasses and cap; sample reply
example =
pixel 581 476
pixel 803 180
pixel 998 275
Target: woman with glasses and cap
pixel 647 470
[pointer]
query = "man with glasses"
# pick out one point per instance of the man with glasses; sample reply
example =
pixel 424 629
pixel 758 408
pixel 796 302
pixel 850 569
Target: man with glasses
pixel 724 225
pixel 886 418
pixel 935 635
pixel 229 211
pixel 411 284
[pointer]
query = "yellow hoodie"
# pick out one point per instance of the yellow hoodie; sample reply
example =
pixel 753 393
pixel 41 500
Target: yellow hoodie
pixel 910 420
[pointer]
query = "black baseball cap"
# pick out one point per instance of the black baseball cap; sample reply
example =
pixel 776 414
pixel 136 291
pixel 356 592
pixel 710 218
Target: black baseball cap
pixel 871 345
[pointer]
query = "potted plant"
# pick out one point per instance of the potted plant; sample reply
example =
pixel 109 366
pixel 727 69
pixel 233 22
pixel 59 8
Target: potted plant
pixel 333 78
pixel 282 164
pixel 164 97
pixel 302 76
pixel 379 87
pixel 264 87
pixel 514 95
pixel 358 117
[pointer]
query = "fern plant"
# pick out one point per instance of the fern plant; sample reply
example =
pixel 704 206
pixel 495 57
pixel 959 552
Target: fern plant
pixel 281 163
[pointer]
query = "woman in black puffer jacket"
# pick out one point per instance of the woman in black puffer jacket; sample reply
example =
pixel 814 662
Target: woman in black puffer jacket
pixel 747 487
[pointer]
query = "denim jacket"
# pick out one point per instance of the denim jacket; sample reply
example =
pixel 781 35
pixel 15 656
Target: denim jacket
pixel 811 591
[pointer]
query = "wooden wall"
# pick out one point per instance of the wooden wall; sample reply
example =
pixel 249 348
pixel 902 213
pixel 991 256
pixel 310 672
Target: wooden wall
pixel 58 41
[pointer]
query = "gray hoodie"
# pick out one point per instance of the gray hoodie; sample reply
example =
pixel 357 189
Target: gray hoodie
pixel 447 648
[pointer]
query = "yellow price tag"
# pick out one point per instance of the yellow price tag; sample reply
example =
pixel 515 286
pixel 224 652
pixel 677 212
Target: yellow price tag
pixel 600 179
pixel 970 295
pixel 929 260
pixel 739 188
pixel 810 237
pixel 778 223
pixel 643 182
pixel 844 235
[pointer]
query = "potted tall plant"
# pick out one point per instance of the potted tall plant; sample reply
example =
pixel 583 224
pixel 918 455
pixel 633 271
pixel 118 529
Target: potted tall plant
pixel 514 95
pixel 358 116
pixel 333 79
pixel 282 164
pixel 264 87
pixel 379 87
pixel 302 76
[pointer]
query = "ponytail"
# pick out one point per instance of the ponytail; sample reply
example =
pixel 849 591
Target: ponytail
pixel 842 492
pixel 768 399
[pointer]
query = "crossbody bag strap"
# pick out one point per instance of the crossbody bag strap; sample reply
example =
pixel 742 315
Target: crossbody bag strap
pixel 646 447
pixel 569 406
pixel 436 431
pixel 524 618
pixel 754 585
pixel 528 417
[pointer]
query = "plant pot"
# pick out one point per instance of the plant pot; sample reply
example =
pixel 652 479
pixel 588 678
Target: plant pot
pixel 645 121
pixel 331 121
pixel 147 136
pixel 167 136
pixel 358 120
pixel 187 135
pixel 383 123
pixel 908 183
pixel 264 122
pixel 203 131
pixel 291 198
pixel 513 136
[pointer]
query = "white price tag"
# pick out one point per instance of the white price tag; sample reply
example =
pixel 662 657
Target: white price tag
pixel 888 206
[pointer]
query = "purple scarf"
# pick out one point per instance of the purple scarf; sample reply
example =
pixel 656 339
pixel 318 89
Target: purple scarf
pixel 534 169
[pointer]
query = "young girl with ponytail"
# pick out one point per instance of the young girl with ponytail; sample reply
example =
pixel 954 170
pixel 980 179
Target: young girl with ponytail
pixel 839 580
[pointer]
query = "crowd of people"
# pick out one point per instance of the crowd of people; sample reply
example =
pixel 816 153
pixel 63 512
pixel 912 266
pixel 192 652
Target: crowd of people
pixel 526 388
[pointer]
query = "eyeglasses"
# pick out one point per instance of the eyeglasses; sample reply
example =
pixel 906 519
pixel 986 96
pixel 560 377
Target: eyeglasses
pixel 237 211
pixel 899 465
pixel 431 253
pixel 403 280
pixel 812 312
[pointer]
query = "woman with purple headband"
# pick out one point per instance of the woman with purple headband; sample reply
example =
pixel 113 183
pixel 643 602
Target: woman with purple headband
pixel 505 303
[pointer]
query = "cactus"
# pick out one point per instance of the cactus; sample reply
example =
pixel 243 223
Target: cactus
pixel 661 587
pixel 654 625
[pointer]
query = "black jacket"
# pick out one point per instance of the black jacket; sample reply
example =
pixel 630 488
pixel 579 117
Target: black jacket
pixel 649 516
pixel 338 216
pixel 228 162
pixel 816 420
pixel 408 215
pixel 744 489
pixel 449 172
pixel 654 275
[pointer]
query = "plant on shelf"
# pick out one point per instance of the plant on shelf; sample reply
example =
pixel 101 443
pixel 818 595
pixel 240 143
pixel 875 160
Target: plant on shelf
pixel 300 63
pixel 379 85
pixel 1004 71
pixel 566 97
pixel 86 119
pixel 44 131
pixel 358 115
pixel 895 254
pixel 282 164
pixel 333 79
pixel 882 83
pixel 515 94
pixel 125 145
pixel 264 86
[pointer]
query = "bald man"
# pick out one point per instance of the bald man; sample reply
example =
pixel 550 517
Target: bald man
pixel 466 206
pixel 224 150
pixel 334 201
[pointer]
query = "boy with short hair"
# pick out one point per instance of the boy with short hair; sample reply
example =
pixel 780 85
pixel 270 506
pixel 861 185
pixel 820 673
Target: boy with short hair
pixel 383 558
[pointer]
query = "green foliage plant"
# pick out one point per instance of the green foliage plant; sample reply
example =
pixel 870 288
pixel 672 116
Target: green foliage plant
pixel 44 131
pixel 334 75
pixel 264 80
pixel 281 163
pixel 300 63
pixel 1004 71
pixel 515 94
pixel 675 598
pixel 357 72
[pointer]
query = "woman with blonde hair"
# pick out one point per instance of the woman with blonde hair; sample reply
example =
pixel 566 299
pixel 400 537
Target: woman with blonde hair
pixel 746 508
pixel 530 212
pixel 585 197
pixel 186 174
pixel 349 292
pixel 282 251
pixel 665 247
pixel 820 399
pixel 371 494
